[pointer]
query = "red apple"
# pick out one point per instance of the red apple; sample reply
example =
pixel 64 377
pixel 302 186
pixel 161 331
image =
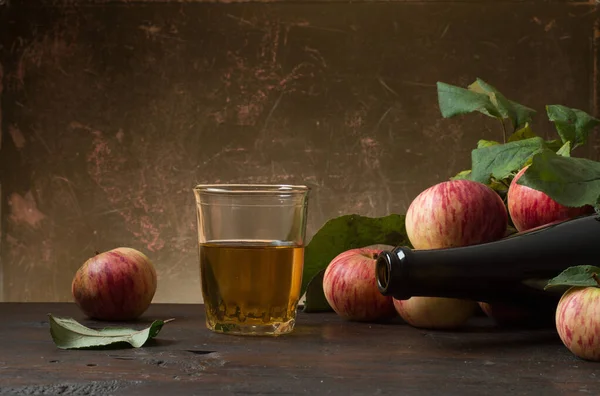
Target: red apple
pixel 350 287
pixel 115 285
pixel 455 213
pixel 435 312
pixel 530 208
pixel 578 321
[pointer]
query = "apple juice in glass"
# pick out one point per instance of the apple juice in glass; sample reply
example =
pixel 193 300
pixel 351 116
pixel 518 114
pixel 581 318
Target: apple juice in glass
pixel 251 250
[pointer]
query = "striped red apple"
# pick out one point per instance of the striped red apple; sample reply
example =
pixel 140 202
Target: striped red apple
pixel 115 285
pixel 450 214
pixel 350 287
pixel 578 321
pixel 530 208
pixel 455 213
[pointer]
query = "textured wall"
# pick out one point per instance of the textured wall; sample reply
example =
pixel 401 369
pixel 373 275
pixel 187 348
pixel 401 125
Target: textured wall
pixel 112 111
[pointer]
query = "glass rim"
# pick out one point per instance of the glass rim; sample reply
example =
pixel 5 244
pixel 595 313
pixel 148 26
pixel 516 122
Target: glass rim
pixel 251 188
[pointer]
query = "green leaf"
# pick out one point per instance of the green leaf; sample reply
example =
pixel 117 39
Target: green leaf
pixel 315 297
pixel 348 232
pixel 455 101
pixel 554 144
pixel 502 160
pixel 518 114
pixel 524 133
pixel 486 143
pixel 67 333
pixel 463 175
pixel 570 181
pixel 572 125
pixel 580 275
pixel 565 150
pixel 498 186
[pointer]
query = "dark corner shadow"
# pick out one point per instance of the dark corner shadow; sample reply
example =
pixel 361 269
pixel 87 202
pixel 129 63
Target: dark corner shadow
pixel 485 325
pixel 483 334
pixel 522 340
pixel 492 338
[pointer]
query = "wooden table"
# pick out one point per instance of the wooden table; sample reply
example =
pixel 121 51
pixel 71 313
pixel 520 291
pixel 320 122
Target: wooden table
pixel 324 356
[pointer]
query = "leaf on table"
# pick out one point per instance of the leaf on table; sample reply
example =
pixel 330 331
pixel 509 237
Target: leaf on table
pixel 524 133
pixel 348 232
pixel 580 275
pixel 570 181
pixel 67 333
pixel 455 101
pixel 518 114
pixel 315 296
pixel 572 125
pixel 500 161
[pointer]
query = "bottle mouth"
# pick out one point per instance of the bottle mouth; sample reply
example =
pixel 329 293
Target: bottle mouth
pixel 383 269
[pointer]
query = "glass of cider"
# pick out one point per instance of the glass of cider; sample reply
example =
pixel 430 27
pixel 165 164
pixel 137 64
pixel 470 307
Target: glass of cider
pixel 251 248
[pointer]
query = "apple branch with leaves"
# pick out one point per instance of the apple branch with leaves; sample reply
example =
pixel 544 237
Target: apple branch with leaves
pixel 570 181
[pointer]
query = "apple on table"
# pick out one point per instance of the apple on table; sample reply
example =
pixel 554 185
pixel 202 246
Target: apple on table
pixel 117 285
pixel 350 286
pixel 577 315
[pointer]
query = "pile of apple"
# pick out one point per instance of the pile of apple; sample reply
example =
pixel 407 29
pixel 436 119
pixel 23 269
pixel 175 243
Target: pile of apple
pixel 449 214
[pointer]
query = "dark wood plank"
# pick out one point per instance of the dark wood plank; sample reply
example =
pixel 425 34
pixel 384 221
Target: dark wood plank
pixel 324 355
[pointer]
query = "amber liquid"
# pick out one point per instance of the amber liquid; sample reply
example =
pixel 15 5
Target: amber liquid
pixel 251 287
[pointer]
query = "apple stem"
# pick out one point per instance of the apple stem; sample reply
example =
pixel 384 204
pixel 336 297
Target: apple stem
pixel 97 252
pixel 595 276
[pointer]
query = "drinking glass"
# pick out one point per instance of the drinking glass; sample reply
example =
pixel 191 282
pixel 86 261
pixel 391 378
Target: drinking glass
pixel 251 250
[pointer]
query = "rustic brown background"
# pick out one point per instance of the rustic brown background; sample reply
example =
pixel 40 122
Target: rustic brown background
pixel 113 110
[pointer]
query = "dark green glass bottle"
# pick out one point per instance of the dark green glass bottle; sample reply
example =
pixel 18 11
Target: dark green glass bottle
pixel 512 270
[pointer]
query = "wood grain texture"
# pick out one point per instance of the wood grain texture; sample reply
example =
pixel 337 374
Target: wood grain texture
pixel 113 112
pixel 324 355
